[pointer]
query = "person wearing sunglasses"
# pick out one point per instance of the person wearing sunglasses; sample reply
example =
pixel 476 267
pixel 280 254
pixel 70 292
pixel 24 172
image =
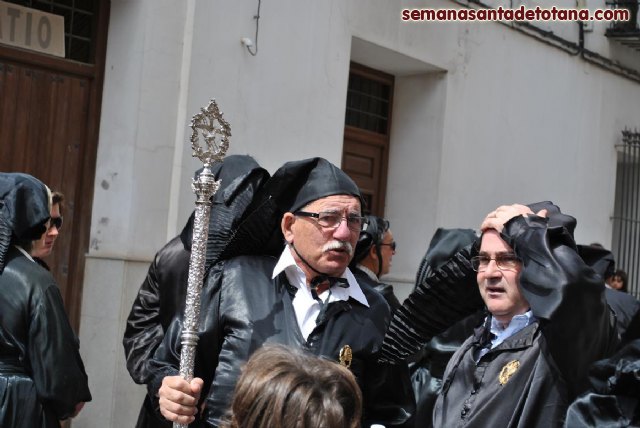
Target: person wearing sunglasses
pixel 302 296
pixel 373 257
pixel 42 376
pixel 42 247
pixel 546 322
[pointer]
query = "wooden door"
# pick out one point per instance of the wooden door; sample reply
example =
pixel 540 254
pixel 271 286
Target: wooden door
pixel 49 116
pixel 43 123
pixel 364 159
pixel 365 153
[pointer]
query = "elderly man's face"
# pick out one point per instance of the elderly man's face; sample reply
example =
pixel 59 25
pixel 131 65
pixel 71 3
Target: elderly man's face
pixel 323 247
pixel 500 288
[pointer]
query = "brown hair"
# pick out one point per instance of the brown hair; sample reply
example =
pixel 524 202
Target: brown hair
pixel 623 278
pixel 288 388
pixel 57 198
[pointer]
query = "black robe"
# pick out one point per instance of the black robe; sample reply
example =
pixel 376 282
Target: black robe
pixel 386 290
pixel 553 354
pixel 243 308
pixel 614 397
pixel 161 297
pixel 42 376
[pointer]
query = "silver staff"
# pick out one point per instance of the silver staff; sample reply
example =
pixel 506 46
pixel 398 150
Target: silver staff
pixel 215 131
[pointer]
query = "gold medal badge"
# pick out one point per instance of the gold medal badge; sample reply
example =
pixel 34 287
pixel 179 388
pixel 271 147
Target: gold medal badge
pixel 507 371
pixel 346 355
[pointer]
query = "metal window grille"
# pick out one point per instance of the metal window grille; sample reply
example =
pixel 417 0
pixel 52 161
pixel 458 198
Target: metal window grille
pixel 626 219
pixel 79 24
pixel 368 104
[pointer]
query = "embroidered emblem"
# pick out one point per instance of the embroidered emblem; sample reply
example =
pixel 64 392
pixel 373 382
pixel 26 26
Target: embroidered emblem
pixel 346 356
pixel 508 370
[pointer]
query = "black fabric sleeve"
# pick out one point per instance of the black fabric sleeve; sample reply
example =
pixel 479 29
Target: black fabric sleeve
pixel 445 297
pixel 143 333
pixel 565 294
pixel 53 351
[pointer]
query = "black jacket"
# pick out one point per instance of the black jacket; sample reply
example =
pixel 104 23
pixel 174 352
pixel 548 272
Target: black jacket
pixel 161 297
pixel 386 290
pixel 574 329
pixel 42 377
pixel 243 308
pixel 162 294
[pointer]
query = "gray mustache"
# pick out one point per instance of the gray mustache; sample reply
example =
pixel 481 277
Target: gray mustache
pixel 338 245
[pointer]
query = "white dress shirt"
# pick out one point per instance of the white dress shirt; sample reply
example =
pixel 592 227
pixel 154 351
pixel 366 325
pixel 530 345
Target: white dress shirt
pixel 304 305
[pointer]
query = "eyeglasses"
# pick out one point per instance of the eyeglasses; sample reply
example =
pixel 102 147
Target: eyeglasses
pixel 391 244
pixel 55 222
pixel 331 220
pixel 503 262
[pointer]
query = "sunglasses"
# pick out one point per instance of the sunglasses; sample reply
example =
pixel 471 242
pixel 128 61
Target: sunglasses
pixel 55 222
pixel 391 244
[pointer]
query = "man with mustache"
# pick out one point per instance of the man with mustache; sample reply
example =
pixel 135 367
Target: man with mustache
pixel 303 296
pixel 547 321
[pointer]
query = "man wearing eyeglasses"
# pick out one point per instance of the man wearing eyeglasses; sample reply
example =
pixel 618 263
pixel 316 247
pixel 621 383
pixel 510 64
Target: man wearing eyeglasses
pixel 373 257
pixel 303 296
pixel 42 247
pixel 547 321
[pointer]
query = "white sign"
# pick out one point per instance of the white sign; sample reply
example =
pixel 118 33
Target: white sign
pixel 31 29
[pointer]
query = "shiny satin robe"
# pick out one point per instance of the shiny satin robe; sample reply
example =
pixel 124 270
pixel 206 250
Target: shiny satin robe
pixel 613 399
pixel 42 376
pixel 545 365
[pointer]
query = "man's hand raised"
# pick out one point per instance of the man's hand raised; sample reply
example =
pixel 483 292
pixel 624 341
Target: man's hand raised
pixel 497 218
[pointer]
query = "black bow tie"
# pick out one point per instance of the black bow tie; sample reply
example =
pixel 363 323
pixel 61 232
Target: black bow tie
pixel 321 283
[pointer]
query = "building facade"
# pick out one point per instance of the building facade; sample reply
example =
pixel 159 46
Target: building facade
pixel 482 114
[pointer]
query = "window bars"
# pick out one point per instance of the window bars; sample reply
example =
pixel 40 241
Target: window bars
pixel 626 218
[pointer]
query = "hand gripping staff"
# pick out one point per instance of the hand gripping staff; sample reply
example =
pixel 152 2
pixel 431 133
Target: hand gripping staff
pixel 210 126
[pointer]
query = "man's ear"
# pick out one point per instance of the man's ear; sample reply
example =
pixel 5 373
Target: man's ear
pixel 286 224
pixel 373 254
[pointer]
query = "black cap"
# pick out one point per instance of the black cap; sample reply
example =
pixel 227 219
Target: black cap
pixel 299 183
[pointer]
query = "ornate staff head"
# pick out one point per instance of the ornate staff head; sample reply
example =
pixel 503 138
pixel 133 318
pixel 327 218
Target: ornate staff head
pixel 215 132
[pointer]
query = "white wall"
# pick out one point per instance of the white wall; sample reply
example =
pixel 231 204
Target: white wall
pixel 483 115
pixel 131 197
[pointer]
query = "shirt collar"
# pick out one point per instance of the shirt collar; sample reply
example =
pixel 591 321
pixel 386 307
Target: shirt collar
pixel 517 323
pixel 296 277
pixel 368 271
